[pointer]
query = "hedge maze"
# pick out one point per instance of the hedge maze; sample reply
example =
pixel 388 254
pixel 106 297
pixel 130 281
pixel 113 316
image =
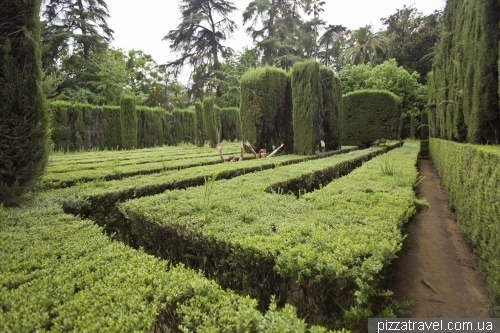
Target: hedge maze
pixel 291 241
pixel 298 242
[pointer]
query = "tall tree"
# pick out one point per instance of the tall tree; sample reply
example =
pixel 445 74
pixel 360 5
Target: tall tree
pixel 366 46
pixel 331 44
pixel 205 25
pixel 315 7
pixel 23 113
pixel 275 27
pixel 78 23
pixel 413 38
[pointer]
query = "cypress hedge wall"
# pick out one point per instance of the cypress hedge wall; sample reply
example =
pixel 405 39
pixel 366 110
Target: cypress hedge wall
pixel 82 126
pixel 209 121
pixel 332 104
pixel 265 109
pixel 150 126
pixel 230 124
pixel 24 119
pixel 199 132
pixel 183 127
pixel 464 91
pixel 308 110
pixel 470 175
pixel 129 122
pixel 112 137
pixel 370 115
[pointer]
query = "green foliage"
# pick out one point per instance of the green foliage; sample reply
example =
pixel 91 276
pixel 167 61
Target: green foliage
pixel 230 124
pixel 183 126
pixel 365 47
pixel 24 119
pixel 332 104
pixel 413 38
pixel 308 110
pixel 333 244
pixel 112 138
pixel 53 263
pixel 129 122
pixel 370 115
pixel 470 175
pixel 265 107
pixel 389 76
pixel 464 89
pixel 150 126
pixel 199 128
pixel 210 121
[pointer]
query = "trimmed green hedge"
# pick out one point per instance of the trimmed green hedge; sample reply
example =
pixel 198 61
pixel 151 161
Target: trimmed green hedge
pixel 325 253
pixel 199 128
pixel 210 121
pixel 266 115
pixel 112 138
pixel 308 110
pixel 60 273
pixel 464 87
pixel 332 104
pixel 470 175
pixel 183 127
pixel 370 115
pixel 150 127
pixel 128 122
pixel 230 124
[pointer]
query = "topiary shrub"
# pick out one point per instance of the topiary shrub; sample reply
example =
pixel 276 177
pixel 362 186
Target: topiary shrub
pixel 200 138
pixel 265 109
pixel 111 137
pixel 24 119
pixel 370 115
pixel 308 110
pixel 230 124
pixel 128 121
pixel 209 121
pixel 150 126
pixel 332 104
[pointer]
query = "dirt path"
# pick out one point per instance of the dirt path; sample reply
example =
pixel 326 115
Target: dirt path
pixel 437 268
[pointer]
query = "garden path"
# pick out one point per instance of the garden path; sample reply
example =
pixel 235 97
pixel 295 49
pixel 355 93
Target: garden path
pixel 437 268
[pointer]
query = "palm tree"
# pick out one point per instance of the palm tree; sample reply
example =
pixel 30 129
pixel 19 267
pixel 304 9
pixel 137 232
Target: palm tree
pixel 367 46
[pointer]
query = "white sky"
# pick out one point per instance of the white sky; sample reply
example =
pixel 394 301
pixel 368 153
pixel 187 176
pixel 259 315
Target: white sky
pixel 142 24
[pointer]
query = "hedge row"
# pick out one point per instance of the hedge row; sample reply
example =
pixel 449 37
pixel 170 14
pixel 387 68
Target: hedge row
pixel 463 88
pixel 97 199
pixel 370 115
pixel 230 124
pixel 82 127
pixel 304 251
pixel 470 175
pixel 60 273
pixel 113 170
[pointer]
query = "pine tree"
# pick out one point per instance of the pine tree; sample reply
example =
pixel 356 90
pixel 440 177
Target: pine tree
pixel 23 113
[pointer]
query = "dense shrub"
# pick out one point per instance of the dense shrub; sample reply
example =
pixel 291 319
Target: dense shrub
pixel 389 76
pixel 470 175
pixel 112 138
pixel 464 89
pixel 183 127
pixel 24 119
pixel 129 122
pixel 150 127
pixel 209 121
pixel 370 115
pixel 332 104
pixel 265 109
pixel 230 124
pixel 308 110
pixel 199 127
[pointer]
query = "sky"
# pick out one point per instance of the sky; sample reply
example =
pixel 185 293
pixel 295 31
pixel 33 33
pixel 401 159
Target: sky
pixel 141 25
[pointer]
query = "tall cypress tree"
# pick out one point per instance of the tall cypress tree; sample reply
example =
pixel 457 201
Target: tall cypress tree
pixel 23 113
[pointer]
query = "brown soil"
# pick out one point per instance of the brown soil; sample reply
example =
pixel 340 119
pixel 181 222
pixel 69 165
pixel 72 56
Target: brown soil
pixel 436 268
